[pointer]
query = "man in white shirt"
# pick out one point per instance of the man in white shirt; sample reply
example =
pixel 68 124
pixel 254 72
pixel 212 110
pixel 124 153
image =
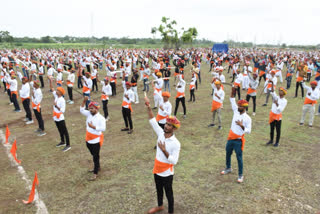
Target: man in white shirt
pixel 168 149
pixel 25 98
pixel 275 116
pixel 252 90
pixel 59 107
pixel 165 109
pixel 241 124
pixel 181 95
pixel 128 98
pixel 271 81
pixel 217 102
pixel 106 92
pixel 192 87
pixel 14 91
pixel 87 86
pixel 36 101
pixel 70 83
pixel 157 85
pixel 95 125
pixel 313 94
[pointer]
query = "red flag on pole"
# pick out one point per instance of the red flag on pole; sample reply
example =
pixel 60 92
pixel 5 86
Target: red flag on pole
pixel 33 189
pixel 14 150
pixel 7 134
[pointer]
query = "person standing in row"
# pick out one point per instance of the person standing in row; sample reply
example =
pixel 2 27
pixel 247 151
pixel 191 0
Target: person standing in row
pixel 25 98
pixel 217 103
pixel 70 83
pixel 165 109
pixel 180 97
pixel 106 92
pixel 275 116
pixel 241 124
pixel 309 105
pixel 95 126
pixel 128 98
pixel 36 99
pixel 59 107
pixel 252 90
pixel 168 150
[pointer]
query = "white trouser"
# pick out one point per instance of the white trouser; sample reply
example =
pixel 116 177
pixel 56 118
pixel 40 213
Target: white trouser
pixel 136 96
pixel 279 74
pixel 305 109
pixel 157 100
pixel 245 83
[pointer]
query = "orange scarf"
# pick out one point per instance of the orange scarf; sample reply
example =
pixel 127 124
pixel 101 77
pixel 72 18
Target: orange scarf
pixel 233 136
pixel 124 103
pixel 191 87
pixel 160 117
pixel 261 73
pixel 23 99
pixel 161 167
pixel 299 79
pixel 14 92
pixel 56 114
pixel 69 83
pixel 250 91
pixel 309 101
pixel 180 94
pixel 273 117
pixel 104 97
pixel 90 136
pixel 215 105
pixel 36 106
pixel 86 89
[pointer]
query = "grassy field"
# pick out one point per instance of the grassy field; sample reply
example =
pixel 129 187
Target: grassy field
pixel 277 180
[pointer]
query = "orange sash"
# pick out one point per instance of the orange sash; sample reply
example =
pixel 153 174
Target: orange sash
pixel 273 117
pixel 86 89
pixel 14 92
pixel 309 101
pixel 56 114
pixel 233 136
pixel 114 80
pixel 23 99
pixel 160 117
pixel 161 167
pixel 215 105
pixel 156 89
pixel 317 74
pixel 180 94
pixel 104 97
pixel 261 73
pixel 236 84
pixel 59 82
pixel 124 103
pixel 191 87
pixel 69 83
pixel 289 74
pixel 145 76
pixel 299 79
pixel 90 136
pixel 255 69
pixel 37 106
pixel 135 84
pixel 250 91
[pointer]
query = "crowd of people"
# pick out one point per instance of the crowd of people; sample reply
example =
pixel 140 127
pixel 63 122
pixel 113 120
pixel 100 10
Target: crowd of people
pixel 26 74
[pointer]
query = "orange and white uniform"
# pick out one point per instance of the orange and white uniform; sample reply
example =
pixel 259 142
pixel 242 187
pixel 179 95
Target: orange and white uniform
pixel 87 85
pixel 276 111
pixel 217 102
pixel 36 98
pixel 309 105
pixel 70 78
pixel 61 104
pixel 98 121
pixel 165 113
pixel 172 147
pixel 181 90
pixel 106 91
pixel 157 94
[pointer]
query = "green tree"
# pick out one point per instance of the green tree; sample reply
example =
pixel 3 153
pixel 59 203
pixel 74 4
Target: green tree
pixel 46 39
pixel 6 37
pixel 170 34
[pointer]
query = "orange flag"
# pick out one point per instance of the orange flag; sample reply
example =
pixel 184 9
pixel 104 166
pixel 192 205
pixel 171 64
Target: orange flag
pixel 33 189
pixel 14 150
pixel 7 134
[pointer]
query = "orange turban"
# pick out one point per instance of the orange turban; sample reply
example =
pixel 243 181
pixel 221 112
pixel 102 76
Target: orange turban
pixel 166 94
pixel 61 90
pixel 243 103
pixel 284 90
pixel 173 121
pixel 314 83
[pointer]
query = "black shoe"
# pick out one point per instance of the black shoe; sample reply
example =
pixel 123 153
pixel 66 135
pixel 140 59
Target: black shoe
pixel 211 125
pixel 189 101
pixel 219 127
pixel 60 144
pixel 66 148
pixel 264 104
pixel 276 145
pixel 269 143
pixel 154 108
pixel 155 147
pixel 301 124
pixel 125 129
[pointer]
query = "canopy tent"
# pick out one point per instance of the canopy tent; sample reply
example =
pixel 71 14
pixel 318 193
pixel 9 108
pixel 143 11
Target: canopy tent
pixel 222 48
